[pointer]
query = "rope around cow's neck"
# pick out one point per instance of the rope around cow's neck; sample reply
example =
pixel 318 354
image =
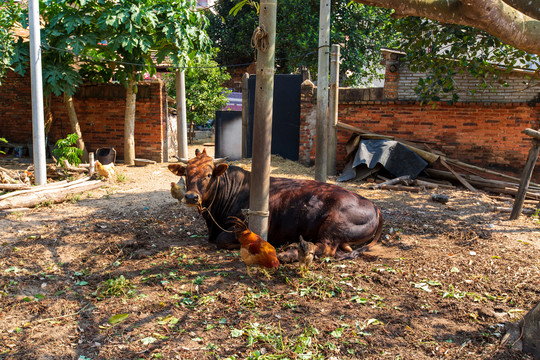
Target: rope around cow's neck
pixel 207 209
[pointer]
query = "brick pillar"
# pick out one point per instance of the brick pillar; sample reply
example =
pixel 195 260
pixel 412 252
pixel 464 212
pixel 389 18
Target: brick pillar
pixel 391 76
pixel 307 122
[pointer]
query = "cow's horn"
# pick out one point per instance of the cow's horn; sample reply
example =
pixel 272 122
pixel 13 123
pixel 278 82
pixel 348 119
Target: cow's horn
pixel 182 160
pixel 220 160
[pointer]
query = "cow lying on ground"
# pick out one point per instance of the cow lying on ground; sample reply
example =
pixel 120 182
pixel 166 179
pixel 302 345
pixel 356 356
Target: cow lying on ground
pixel 325 214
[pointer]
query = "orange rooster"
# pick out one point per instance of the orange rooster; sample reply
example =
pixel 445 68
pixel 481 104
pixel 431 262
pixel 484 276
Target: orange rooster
pixel 254 250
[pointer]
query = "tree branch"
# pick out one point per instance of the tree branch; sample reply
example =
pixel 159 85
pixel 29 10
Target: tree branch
pixel 495 17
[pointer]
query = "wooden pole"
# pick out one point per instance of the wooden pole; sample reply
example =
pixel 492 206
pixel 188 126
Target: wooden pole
pixel 245 114
pixel 91 162
pixel 129 122
pixel 321 134
pixel 525 179
pixel 264 41
pixel 333 110
pixel 181 115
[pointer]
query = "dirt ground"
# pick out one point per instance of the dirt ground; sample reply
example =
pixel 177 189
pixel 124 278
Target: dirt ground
pixel 126 272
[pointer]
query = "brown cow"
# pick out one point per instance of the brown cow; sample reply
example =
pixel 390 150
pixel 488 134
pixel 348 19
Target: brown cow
pixel 325 214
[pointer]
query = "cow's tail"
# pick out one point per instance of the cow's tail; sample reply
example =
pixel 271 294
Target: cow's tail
pixel 378 233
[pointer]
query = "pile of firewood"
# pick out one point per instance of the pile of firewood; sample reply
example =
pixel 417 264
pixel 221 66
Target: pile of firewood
pixel 17 193
pixel 456 173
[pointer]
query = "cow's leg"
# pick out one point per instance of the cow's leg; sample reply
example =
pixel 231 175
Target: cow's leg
pixel 227 240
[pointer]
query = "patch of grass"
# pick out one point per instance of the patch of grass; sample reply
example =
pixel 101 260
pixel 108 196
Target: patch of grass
pixel 279 346
pixel 121 178
pixel 119 286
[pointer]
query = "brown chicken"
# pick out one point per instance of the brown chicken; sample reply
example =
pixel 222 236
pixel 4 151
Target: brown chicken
pixel 254 250
pixel 178 190
pixel 306 253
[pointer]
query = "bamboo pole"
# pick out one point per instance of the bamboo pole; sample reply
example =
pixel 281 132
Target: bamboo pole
pixel 333 103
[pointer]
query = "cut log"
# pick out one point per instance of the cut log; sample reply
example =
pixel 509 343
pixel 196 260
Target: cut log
pixel 54 195
pixel 505 209
pixel 413 189
pixel 144 162
pixel 406 179
pixel 426 184
pixel 48 186
pixel 68 166
pixel 15 186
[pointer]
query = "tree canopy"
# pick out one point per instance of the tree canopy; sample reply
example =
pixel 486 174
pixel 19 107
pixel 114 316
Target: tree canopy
pixel 9 15
pixel 359 29
pixel 515 22
pixel 204 90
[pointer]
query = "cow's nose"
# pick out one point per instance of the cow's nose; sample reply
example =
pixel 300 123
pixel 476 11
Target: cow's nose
pixel 193 198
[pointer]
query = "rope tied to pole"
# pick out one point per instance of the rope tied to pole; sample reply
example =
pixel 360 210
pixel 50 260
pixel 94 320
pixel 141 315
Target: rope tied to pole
pixel 259 40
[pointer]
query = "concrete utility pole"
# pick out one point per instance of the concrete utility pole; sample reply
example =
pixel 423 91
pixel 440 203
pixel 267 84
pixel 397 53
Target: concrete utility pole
pixel 333 110
pixel 321 133
pixel 264 39
pixel 38 120
pixel 181 117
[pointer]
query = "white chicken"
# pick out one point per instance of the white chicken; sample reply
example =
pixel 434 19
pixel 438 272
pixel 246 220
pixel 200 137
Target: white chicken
pixel 106 171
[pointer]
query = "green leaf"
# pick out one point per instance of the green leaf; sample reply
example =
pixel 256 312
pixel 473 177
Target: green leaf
pixel 148 340
pixel 115 319
pixel 237 333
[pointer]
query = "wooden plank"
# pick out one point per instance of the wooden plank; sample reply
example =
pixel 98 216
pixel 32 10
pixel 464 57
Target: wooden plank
pixel 525 179
pixel 532 133
pixel 459 177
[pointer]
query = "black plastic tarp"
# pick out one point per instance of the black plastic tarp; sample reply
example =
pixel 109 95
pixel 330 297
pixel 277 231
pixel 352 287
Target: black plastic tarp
pixel 395 157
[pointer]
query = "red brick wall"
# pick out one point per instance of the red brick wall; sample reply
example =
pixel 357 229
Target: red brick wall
pixel 16 108
pixel 100 110
pixel 483 134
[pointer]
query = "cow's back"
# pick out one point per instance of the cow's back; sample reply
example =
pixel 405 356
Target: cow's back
pixel 318 211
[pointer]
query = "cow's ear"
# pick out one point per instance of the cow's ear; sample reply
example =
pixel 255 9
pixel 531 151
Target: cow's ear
pixel 177 169
pixel 220 170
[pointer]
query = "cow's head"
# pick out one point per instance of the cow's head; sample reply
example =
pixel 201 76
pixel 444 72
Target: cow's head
pixel 201 173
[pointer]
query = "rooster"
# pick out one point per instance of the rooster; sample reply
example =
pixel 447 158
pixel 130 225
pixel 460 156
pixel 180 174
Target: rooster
pixel 306 253
pixel 105 170
pixel 254 250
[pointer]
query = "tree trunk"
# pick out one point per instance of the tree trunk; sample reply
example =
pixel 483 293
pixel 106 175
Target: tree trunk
pixel 496 17
pixel 75 127
pixel 129 125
